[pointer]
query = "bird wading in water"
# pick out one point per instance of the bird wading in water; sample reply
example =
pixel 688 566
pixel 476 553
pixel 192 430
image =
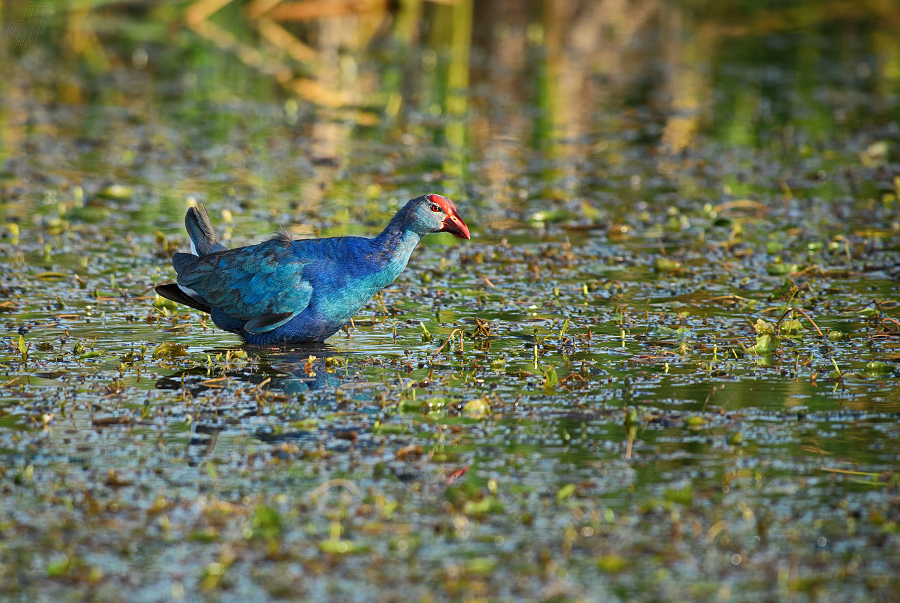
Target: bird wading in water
pixel 286 291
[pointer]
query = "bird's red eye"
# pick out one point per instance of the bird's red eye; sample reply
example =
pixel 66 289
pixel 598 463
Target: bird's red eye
pixel 436 208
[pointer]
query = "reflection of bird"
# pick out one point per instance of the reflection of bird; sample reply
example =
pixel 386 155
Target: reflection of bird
pixel 292 371
pixel 286 291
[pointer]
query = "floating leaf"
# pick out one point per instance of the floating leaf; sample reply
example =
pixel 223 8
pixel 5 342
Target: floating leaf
pixel 766 344
pixel 763 327
pixel 612 564
pixel 684 496
pixel 266 523
pixel 169 350
pixel 590 212
pixel 695 421
pixel 485 506
pixel 213 576
pixel 791 328
pixel 115 192
pixel 481 565
pixel 565 492
pixel 306 424
pixel 59 567
pixel 662 331
pixel 780 269
pixel 161 302
pixel 341 547
pixel 91 215
pixel 550 379
pixel 552 216
pixel 50 276
pixel 477 408
pixel 877 367
pixel 666 265
pixel 205 536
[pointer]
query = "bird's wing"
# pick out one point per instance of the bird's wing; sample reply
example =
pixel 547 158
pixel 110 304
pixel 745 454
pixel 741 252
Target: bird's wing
pixel 263 284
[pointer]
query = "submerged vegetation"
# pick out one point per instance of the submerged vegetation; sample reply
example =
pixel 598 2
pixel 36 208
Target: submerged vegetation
pixel 665 368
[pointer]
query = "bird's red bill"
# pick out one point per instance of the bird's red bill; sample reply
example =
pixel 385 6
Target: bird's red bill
pixel 453 223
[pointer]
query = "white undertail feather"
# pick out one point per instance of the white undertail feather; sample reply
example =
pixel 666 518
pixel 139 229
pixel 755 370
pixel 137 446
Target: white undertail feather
pixel 190 293
pixel 193 251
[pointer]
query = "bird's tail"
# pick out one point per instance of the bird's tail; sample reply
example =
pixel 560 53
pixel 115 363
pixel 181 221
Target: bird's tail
pixel 185 296
pixel 203 242
pixel 201 232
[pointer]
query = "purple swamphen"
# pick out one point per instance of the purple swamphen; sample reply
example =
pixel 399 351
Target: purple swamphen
pixel 287 291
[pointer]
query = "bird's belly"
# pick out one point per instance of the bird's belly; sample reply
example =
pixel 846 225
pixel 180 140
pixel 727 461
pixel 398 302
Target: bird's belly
pixel 322 319
pixel 308 326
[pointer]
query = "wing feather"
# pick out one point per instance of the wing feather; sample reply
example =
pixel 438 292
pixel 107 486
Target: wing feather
pixel 249 282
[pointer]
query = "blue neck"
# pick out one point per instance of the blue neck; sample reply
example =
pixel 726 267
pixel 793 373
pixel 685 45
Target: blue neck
pixel 395 243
